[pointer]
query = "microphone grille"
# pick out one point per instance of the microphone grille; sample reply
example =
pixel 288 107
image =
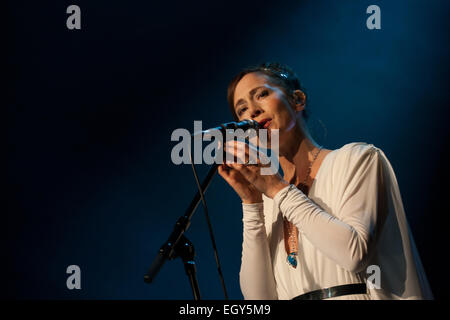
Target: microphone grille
pixel 253 124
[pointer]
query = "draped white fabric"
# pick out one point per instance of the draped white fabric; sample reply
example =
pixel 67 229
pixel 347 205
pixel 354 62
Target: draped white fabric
pixel 352 218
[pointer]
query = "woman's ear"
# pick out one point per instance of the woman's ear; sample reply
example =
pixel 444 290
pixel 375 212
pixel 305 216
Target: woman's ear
pixel 299 100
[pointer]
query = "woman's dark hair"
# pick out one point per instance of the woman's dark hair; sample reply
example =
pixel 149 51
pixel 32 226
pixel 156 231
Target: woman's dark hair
pixel 279 74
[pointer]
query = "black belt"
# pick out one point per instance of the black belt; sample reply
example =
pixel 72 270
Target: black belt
pixel 346 289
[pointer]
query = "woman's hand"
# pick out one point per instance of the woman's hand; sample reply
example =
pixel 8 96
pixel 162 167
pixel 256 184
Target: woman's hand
pixel 246 191
pixel 246 179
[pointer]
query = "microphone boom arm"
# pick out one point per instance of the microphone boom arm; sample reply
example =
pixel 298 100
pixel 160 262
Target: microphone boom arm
pixel 168 249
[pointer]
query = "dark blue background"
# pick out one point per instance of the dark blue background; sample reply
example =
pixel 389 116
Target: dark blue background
pixel 90 115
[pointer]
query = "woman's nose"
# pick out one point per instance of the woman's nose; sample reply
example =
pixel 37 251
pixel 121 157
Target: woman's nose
pixel 255 112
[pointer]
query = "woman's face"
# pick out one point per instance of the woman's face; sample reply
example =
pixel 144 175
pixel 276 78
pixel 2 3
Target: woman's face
pixel 257 98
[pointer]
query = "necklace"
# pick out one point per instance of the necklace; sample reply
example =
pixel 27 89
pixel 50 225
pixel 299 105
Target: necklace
pixel 310 166
pixel 291 242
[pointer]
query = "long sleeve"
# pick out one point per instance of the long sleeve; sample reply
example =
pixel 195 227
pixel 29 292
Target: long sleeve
pixel 256 274
pixel 345 236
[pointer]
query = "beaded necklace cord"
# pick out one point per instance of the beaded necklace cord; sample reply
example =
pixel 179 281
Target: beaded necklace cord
pixel 290 230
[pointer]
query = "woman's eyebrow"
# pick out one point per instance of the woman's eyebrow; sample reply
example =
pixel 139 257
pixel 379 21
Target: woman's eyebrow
pixel 251 93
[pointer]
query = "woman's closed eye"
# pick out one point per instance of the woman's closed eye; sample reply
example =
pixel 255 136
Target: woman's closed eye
pixel 241 111
pixel 260 95
pixel 263 94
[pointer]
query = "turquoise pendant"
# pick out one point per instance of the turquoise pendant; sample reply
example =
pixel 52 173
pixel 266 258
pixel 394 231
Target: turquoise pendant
pixel 292 259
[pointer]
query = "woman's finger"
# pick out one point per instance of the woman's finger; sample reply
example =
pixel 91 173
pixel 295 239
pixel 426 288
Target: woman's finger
pixel 242 152
pixel 249 173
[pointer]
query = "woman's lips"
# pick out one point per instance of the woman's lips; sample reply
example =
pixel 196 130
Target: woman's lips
pixel 265 123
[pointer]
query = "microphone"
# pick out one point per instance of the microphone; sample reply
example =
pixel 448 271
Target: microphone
pixel 244 125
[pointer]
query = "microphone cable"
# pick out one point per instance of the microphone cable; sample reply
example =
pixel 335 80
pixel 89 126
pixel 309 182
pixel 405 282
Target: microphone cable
pixel 211 234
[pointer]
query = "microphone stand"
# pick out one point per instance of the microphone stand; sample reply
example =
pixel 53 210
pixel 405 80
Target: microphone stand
pixel 178 245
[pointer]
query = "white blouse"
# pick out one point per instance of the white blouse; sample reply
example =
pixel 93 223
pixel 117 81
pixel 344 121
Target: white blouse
pixel 352 218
